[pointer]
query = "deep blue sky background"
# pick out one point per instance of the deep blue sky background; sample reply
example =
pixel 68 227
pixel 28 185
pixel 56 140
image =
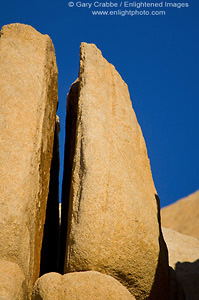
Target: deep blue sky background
pixel 157 56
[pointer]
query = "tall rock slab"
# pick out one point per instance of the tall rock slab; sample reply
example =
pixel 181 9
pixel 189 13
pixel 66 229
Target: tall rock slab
pixel 183 215
pixel 113 214
pixel 28 97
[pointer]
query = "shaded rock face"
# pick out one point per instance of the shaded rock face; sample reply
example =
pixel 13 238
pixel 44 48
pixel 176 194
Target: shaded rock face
pixel 68 164
pixel 183 215
pixel 79 286
pixel 176 291
pixel 112 209
pixel 184 259
pixel 50 245
pixel 28 84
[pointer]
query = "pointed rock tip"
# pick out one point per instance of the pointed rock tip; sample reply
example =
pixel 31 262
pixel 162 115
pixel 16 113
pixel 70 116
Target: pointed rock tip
pixel 87 48
pixel 88 45
pixel 90 50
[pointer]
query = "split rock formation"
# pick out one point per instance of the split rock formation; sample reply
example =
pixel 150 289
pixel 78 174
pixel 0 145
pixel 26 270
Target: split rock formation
pixel 110 245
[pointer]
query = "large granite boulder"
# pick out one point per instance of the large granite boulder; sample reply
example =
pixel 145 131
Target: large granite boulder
pixel 113 212
pixel 183 215
pixel 88 285
pixel 28 85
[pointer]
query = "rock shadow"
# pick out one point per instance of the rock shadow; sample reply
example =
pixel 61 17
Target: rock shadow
pixel 160 288
pixel 50 244
pixel 70 129
pixel 188 275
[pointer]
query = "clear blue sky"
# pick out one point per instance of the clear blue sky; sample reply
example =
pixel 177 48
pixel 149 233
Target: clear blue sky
pixel 157 56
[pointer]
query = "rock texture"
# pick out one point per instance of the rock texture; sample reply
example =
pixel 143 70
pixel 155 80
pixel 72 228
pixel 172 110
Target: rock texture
pixel 28 85
pixel 113 222
pixel 183 215
pixel 184 259
pixel 12 281
pixel 79 286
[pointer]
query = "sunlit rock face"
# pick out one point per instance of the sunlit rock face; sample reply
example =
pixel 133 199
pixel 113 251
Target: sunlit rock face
pixel 113 216
pixel 183 215
pixel 28 85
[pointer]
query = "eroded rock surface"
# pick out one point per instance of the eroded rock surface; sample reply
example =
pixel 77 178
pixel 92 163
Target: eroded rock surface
pixel 28 85
pixel 113 219
pixel 79 286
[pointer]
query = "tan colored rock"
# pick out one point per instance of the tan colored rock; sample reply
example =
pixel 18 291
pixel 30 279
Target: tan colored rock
pixel 181 247
pixel 113 211
pixel 79 286
pixel 183 215
pixel 12 281
pixel 28 97
pixel 184 259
